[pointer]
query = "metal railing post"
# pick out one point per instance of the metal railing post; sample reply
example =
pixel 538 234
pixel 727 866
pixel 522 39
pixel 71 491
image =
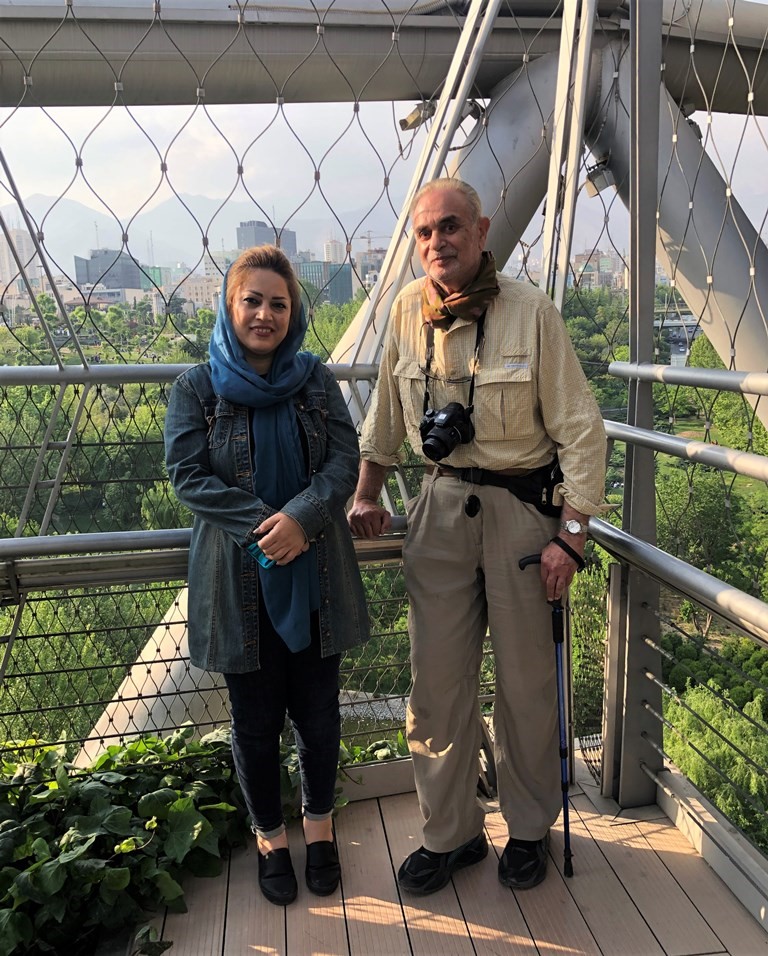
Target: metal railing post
pixel 634 787
pixel 613 686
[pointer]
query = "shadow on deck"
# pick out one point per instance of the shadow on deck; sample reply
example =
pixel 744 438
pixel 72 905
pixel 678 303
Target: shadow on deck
pixel 638 888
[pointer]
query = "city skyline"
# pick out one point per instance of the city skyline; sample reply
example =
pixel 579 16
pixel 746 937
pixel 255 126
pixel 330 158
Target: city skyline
pixel 120 190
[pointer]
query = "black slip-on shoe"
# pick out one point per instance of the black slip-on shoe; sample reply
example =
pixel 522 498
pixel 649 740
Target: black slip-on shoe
pixel 277 881
pixel 523 863
pixel 322 871
pixel 425 871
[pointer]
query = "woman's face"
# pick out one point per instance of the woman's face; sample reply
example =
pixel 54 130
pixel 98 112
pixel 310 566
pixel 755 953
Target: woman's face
pixel 261 315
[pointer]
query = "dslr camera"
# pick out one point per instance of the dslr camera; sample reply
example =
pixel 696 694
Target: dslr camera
pixel 441 431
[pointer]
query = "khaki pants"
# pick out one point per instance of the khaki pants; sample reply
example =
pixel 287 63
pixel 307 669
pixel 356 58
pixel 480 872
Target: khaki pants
pixel 463 580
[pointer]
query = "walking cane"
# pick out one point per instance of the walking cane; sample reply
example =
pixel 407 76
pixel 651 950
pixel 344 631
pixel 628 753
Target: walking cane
pixel 558 636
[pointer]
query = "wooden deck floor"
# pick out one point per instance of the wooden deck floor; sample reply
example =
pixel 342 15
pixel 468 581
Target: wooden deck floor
pixel 638 889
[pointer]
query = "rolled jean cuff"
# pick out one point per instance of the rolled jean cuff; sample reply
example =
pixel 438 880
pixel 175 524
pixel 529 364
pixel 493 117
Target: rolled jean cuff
pixel 308 815
pixel 268 834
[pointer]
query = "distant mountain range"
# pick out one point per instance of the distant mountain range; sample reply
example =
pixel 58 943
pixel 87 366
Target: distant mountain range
pixel 172 232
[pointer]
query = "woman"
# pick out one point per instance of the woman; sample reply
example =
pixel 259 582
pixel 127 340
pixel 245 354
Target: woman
pixel 261 448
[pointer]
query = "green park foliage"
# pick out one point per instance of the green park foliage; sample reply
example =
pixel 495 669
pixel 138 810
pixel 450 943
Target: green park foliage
pixel 724 752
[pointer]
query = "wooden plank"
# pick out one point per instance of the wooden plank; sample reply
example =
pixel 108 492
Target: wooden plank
pixel 200 931
pixel 493 916
pixel 740 933
pixel 552 917
pixel 375 921
pixel 314 924
pixel 253 924
pixel 435 923
pixel 606 907
pixel 674 920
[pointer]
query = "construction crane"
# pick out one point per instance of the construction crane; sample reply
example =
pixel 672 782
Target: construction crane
pixel 369 235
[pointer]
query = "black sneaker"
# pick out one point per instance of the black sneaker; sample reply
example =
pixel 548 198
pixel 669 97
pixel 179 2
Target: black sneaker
pixel 425 871
pixel 523 863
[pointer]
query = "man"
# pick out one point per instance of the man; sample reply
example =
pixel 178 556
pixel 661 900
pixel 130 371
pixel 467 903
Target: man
pixel 525 437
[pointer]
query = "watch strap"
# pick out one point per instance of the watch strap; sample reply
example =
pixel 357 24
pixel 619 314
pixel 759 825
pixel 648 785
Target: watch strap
pixel 580 562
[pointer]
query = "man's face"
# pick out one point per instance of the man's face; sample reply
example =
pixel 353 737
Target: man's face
pixel 450 243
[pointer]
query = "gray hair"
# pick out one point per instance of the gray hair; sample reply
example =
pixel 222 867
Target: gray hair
pixel 457 185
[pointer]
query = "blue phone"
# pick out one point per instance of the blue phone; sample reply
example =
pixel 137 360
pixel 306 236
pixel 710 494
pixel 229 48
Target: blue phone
pixel 256 552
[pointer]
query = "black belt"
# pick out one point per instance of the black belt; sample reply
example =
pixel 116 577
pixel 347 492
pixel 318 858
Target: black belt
pixel 482 476
pixel 534 487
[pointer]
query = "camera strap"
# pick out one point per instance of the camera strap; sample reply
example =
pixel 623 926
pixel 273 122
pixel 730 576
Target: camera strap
pixel 430 352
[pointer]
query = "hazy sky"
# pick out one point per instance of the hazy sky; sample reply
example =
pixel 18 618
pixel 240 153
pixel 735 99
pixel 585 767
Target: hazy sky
pixel 279 148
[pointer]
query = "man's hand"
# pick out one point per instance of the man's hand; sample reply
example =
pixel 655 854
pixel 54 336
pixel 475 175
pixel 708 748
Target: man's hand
pixel 368 519
pixel 557 566
pixel 282 538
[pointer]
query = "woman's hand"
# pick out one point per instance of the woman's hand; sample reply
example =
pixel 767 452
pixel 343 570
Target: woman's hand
pixel 282 538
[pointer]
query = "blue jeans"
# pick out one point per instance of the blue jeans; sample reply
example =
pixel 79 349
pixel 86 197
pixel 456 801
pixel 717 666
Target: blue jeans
pixel 306 686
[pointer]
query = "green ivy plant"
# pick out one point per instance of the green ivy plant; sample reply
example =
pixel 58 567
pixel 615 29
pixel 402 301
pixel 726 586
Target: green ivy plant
pixel 86 852
pixel 81 852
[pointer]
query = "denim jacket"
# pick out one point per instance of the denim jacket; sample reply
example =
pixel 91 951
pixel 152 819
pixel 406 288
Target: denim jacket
pixel 210 464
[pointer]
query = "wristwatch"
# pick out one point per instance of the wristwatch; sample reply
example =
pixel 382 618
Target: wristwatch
pixel 572 526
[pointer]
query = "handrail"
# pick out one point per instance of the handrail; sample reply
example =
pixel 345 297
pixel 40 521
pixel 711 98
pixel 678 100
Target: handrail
pixel 722 380
pixel 743 611
pixel 154 372
pixel 126 557
pixel 717 456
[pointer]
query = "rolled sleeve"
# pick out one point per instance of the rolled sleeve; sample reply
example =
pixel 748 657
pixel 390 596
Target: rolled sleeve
pixel 384 428
pixel 571 417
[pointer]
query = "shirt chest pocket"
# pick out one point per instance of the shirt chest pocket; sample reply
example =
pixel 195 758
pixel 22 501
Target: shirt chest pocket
pixel 505 400
pixel 220 418
pixel 411 385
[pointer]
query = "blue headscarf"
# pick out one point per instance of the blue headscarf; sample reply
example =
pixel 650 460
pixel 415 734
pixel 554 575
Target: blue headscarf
pixel 292 591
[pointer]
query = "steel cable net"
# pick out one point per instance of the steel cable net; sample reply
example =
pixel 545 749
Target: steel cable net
pixel 715 520
pixel 715 707
pixel 712 313
pixel 272 130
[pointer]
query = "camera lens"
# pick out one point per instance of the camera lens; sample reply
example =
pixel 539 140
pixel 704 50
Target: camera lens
pixel 436 447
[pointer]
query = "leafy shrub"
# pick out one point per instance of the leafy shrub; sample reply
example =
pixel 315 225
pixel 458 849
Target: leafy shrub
pixel 679 677
pixel 81 851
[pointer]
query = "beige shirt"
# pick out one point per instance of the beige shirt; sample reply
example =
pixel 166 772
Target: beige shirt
pixel 531 397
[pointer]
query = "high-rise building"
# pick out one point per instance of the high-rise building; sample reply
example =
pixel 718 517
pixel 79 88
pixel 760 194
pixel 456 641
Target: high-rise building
pixel 254 232
pixel 334 251
pixel 111 268
pixel 332 279
pixel 25 250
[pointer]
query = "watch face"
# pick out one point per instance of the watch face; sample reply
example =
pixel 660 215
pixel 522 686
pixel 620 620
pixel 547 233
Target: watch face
pixel 573 526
